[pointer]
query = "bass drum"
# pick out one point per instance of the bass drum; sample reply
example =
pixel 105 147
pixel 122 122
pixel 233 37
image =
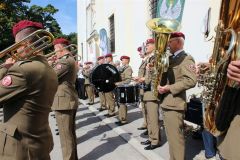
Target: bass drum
pixel 104 77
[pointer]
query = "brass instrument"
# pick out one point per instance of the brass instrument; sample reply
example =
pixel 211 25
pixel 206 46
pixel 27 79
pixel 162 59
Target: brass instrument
pixel 41 39
pixel 72 48
pixel 225 50
pixel 162 29
pixel 77 57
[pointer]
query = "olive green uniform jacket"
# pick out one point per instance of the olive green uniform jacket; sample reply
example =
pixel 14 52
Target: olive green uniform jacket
pixel 181 76
pixel 66 97
pixel 27 90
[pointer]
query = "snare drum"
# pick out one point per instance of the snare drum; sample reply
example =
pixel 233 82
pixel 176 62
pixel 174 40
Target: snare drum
pixel 127 94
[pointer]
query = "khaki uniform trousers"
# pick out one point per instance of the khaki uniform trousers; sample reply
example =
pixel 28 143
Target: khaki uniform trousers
pixel 66 125
pixel 151 109
pixel 110 102
pixel 229 143
pixel 142 106
pixel 173 122
pixel 90 93
pixel 122 111
pixel 144 125
pixel 102 100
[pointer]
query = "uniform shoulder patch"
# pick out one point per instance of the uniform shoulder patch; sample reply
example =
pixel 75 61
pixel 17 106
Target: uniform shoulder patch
pixel 7 80
pixel 59 66
pixel 192 68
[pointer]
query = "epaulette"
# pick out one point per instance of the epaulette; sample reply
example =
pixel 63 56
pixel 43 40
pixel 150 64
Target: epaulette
pixel 22 62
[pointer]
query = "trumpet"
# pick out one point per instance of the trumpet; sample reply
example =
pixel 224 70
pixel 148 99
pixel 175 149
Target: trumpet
pixel 72 48
pixel 35 43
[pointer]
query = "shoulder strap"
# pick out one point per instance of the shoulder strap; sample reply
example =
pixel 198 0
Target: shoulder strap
pixel 22 62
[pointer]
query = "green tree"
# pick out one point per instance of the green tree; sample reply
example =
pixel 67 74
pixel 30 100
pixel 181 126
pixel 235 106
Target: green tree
pixel 12 11
pixel 45 16
pixel 72 37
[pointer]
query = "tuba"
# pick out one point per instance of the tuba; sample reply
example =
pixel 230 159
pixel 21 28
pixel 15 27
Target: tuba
pixel 162 29
pixel 35 43
pixel 225 50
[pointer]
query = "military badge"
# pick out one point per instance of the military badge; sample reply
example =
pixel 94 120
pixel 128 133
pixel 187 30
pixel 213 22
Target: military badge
pixel 192 67
pixel 7 81
pixel 59 66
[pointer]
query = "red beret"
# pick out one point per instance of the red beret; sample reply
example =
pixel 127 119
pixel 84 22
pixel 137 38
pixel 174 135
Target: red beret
pixel 61 41
pixel 124 57
pixel 108 55
pixel 139 49
pixel 150 41
pixel 25 24
pixel 100 57
pixel 177 34
pixel 88 62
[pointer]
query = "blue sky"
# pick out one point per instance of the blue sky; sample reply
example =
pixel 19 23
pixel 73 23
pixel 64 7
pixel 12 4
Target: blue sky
pixel 67 14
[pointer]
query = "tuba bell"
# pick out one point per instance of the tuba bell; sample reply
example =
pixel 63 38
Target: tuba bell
pixel 225 50
pixel 162 29
pixel 40 40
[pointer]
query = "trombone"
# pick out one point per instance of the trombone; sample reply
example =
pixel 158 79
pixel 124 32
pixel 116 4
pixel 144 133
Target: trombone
pixel 72 48
pixel 35 43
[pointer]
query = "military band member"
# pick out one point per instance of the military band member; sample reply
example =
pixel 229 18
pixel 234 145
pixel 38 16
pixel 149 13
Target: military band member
pixel 66 99
pixel 103 106
pixel 87 69
pixel 150 102
pixel 229 142
pixel 27 90
pixel 80 83
pixel 110 101
pixel 139 80
pixel 180 76
pixel 126 76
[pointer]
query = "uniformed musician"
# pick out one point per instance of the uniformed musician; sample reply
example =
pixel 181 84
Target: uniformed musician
pixel 150 102
pixel 66 99
pixel 139 80
pixel 110 101
pixel 229 142
pixel 179 77
pixel 87 69
pixel 126 75
pixel 103 106
pixel 27 90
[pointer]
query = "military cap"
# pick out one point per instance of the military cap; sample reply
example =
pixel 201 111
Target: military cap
pixel 108 55
pixel 124 57
pixel 25 24
pixel 139 49
pixel 61 41
pixel 151 40
pixel 100 57
pixel 177 34
pixel 88 62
